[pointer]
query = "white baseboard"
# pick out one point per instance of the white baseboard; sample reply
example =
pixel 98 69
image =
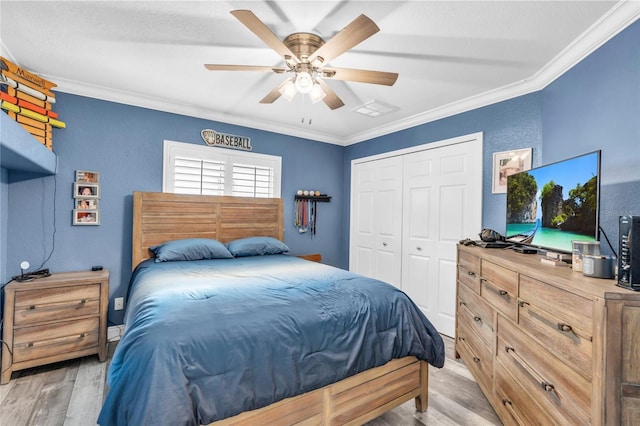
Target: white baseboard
pixel 114 332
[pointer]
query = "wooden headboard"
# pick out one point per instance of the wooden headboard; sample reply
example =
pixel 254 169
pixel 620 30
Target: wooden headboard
pixel 159 217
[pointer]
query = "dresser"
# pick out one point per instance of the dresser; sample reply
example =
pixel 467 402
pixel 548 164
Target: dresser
pixel 52 319
pixel 547 345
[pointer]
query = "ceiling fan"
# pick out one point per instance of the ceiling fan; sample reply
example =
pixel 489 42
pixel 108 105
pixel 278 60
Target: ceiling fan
pixel 306 55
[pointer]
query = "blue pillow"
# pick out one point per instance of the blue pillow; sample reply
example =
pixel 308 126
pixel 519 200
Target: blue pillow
pixel 256 246
pixel 190 249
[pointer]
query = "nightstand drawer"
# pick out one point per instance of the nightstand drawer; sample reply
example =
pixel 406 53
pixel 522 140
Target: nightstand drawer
pixel 34 306
pixel 47 340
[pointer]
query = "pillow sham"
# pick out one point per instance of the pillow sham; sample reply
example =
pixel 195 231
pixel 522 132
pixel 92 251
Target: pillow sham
pixel 256 246
pixel 190 249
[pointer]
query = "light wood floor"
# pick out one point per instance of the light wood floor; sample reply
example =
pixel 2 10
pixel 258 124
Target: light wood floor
pixel 70 393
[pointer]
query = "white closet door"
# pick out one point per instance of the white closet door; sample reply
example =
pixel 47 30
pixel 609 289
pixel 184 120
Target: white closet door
pixel 376 220
pixel 442 204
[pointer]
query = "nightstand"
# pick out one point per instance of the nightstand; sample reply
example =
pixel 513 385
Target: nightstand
pixel 52 319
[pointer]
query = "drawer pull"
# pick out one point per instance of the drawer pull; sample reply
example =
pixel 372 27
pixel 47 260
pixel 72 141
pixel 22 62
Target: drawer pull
pixel 522 303
pixel 473 274
pixel 462 303
pixel 564 327
pixel 549 387
pixel 32 307
pixel 509 405
pixel 461 339
pixel 476 359
pixel 477 319
pixel 503 292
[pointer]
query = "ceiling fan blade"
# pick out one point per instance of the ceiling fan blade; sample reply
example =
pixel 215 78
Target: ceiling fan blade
pixel 356 32
pixel 251 21
pixel 273 95
pixel 331 99
pixel 218 67
pixel 362 76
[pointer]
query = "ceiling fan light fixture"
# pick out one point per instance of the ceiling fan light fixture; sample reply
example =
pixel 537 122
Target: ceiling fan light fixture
pixel 304 82
pixel 316 93
pixel 289 90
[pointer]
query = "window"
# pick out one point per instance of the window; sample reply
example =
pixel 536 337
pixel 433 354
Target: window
pixel 194 169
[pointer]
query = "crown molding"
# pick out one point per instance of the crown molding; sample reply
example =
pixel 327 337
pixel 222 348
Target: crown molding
pixel 619 17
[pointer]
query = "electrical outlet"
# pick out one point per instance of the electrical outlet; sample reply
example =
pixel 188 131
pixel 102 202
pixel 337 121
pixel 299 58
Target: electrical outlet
pixel 118 304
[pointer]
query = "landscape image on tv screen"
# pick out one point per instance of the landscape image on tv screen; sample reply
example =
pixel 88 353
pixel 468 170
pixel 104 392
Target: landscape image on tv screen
pixel 552 205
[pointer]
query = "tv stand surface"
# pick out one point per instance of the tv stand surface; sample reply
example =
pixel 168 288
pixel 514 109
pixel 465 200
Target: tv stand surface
pixel 525 250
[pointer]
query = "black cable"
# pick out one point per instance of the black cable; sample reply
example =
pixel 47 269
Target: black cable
pixel 6 344
pixel 53 236
pixel 608 242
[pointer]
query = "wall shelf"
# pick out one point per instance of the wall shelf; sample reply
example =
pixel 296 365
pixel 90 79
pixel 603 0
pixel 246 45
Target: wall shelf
pixel 319 199
pixel 22 152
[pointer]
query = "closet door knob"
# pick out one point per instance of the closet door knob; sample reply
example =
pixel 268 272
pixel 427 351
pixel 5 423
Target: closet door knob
pixel 419 248
pixel 384 244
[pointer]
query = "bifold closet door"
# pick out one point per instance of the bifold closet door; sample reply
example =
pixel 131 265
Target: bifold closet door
pixel 442 202
pixel 376 220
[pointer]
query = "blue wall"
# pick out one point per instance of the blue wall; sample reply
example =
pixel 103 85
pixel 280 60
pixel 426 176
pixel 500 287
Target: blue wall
pixel 124 144
pixel 595 105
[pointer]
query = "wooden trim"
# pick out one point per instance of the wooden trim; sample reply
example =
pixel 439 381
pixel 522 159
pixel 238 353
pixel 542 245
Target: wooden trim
pixel 159 217
pixel 352 401
pixel 316 257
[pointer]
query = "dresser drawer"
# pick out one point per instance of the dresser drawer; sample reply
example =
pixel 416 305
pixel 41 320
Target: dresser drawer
pixel 560 320
pixel 476 314
pixel 500 277
pixel 36 342
pixel 469 262
pixel 514 405
pixel 505 301
pixel 570 308
pixel 551 383
pixel 34 306
pixel 469 278
pixel 568 343
pixel 477 357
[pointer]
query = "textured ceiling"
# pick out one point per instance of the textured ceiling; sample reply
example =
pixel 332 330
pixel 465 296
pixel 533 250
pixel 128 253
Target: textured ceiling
pixel 450 55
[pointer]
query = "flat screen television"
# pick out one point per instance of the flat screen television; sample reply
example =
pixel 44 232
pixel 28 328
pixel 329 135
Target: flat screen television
pixel 551 205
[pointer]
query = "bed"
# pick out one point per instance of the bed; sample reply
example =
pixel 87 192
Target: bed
pixel 258 337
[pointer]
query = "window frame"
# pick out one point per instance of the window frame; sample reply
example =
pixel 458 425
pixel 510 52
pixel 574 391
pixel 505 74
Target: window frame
pixel 173 149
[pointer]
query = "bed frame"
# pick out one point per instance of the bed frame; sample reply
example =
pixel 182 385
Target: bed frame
pixel 161 217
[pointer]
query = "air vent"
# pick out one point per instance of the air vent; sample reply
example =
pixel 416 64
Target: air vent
pixel 375 109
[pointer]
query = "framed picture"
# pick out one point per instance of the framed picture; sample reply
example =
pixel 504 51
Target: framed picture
pixel 86 217
pixel 86 190
pixel 86 204
pixel 507 163
pixel 87 176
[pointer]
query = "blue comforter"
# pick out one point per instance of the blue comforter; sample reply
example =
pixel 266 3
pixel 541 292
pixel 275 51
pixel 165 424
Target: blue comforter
pixel 208 339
